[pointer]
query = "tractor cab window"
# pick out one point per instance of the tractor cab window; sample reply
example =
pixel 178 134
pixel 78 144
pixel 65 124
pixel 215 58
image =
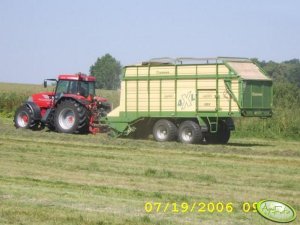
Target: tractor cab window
pixel 62 86
pixel 86 88
pixel 92 88
pixel 73 87
pixel 82 88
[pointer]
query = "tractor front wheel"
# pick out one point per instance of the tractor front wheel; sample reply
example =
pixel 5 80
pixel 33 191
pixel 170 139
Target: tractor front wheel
pixel 71 117
pixel 24 118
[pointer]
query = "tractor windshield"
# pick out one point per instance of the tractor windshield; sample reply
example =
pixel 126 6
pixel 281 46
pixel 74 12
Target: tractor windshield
pixel 62 86
pixel 83 88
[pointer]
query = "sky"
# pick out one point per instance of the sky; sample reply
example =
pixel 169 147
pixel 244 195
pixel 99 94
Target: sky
pixel 42 39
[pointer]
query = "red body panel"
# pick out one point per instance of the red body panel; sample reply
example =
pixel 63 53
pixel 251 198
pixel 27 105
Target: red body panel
pixel 76 77
pixel 43 99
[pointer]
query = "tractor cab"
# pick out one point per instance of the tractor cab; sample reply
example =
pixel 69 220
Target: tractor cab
pixel 78 86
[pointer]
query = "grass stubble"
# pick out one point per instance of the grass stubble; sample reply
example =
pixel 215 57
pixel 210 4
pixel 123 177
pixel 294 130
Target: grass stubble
pixel 51 178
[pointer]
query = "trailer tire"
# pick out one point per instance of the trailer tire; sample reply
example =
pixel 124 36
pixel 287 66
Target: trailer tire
pixel 224 133
pixel 190 132
pixel 221 137
pixel 164 130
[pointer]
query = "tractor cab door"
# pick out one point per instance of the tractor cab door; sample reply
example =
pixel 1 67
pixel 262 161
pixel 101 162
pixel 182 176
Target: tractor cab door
pixel 65 87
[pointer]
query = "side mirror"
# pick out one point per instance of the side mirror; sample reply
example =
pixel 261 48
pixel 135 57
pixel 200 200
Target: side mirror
pixel 45 83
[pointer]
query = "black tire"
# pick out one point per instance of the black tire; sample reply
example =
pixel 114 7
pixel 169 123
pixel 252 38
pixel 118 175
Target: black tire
pixel 84 115
pixel 164 130
pixel 24 118
pixel 71 117
pixel 50 121
pixel 211 138
pixel 190 132
pixel 224 133
pixel 221 137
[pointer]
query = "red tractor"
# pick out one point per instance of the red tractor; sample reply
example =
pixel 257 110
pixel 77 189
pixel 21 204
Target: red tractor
pixel 71 108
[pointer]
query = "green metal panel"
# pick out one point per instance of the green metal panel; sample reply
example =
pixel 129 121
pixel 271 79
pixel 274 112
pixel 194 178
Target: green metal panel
pixel 257 94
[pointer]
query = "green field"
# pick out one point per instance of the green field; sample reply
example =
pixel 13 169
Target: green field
pixel 51 178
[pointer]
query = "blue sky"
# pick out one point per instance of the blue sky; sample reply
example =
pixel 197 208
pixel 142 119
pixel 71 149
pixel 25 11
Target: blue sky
pixel 41 39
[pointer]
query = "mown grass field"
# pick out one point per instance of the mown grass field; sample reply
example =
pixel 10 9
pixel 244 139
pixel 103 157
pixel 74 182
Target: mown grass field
pixel 51 178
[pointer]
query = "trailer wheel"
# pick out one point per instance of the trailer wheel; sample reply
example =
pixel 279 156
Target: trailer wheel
pixel 24 118
pixel 190 132
pixel 164 130
pixel 223 134
pixel 221 137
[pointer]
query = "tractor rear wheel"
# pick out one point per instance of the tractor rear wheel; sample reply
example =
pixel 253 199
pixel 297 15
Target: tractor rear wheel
pixel 24 118
pixel 71 117
pixel 190 132
pixel 164 130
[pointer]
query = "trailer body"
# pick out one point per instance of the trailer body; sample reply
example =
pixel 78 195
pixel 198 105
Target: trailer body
pixel 209 92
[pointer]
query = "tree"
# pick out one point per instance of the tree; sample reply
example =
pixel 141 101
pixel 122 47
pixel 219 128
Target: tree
pixel 107 71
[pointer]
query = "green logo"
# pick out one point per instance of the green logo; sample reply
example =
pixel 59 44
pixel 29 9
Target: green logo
pixel 276 211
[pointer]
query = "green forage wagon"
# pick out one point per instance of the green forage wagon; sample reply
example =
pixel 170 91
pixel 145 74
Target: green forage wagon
pixel 190 99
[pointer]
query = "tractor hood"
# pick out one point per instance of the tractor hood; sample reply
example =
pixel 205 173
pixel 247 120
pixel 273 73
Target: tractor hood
pixel 42 99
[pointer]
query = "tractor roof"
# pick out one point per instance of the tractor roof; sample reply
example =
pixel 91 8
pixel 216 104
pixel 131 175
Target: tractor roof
pixel 78 76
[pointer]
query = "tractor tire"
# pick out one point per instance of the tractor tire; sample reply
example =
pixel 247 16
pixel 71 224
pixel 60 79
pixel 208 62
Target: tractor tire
pixel 190 132
pixel 221 137
pixel 24 118
pixel 71 117
pixel 164 130
pixel 50 121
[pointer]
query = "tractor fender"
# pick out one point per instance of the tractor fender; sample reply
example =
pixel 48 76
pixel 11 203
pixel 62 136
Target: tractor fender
pixel 35 109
